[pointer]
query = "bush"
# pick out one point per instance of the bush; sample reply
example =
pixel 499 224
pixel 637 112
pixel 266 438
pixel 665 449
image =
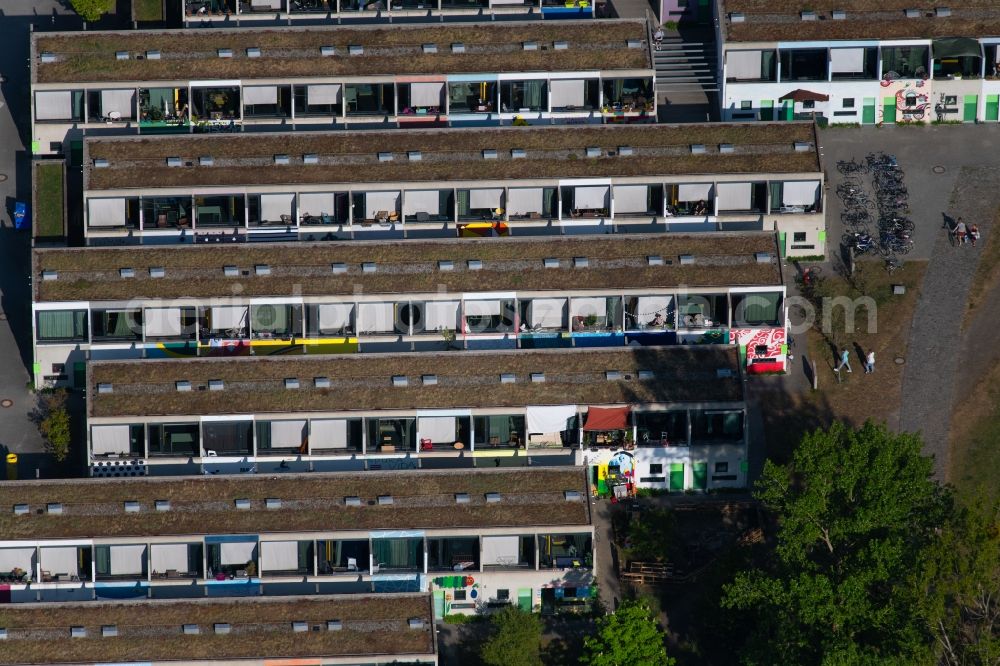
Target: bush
pixel 54 423
pixel 91 10
pixel 516 640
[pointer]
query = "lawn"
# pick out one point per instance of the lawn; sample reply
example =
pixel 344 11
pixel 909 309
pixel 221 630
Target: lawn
pixel 987 272
pixel 48 217
pixel 148 10
pixel 975 432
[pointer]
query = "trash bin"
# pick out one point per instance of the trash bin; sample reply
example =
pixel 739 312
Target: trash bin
pixel 12 467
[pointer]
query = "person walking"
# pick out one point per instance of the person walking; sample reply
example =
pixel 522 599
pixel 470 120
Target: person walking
pixel 960 232
pixel 870 362
pixel 974 234
pixel 845 360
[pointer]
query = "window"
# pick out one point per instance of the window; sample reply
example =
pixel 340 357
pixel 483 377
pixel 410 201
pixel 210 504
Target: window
pixel 746 104
pixel 950 100
pixel 503 595
pixel 799 237
pixel 760 350
pixel 804 65
pixel 905 62
pixel 757 309
pixel 62 325
pixel 656 468
pixel 459 595
pixel 848 102
pixel 809 104
pixel 721 467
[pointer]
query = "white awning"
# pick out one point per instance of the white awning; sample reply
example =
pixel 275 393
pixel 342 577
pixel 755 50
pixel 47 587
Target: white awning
pixel 376 317
pixel 486 198
pixel 589 198
pixel 421 201
pixel 17 558
pixel 328 434
pixel 547 312
pixel 847 60
pixel 567 92
pixel 316 204
pixel 582 307
pixel 552 418
pixel 127 560
pixel 800 193
pixel 162 322
pixel 106 213
pixel 524 200
pixel 279 555
pixel 53 105
pixel 322 94
pixel 287 434
pixel 743 64
pixel 228 316
pixel 481 308
pixel 426 93
pixel 632 199
pixel 118 101
pixel 734 196
pixel 334 317
pixel 694 192
pixel 166 556
pixel 273 206
pixel 648 306
pixel 439 315
pixel 237 553
pixel 260 95
pixel 503 550
pixel 438 429
pixel 60 560
pixel 378 201
pixel 266 4
pixel 109 439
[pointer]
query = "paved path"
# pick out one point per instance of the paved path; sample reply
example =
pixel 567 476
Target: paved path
pixel 607 569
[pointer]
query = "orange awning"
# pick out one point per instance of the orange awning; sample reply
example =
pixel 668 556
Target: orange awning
pixel 607 418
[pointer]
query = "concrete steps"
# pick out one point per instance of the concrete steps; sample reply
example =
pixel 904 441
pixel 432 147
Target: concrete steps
pixel 685 66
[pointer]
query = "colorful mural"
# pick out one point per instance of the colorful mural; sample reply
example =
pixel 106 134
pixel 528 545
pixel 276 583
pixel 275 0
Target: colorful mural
pixel 750 340
pixel 617 470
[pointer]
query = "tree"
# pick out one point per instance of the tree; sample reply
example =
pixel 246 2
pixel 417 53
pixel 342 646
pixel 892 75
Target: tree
pixel 651 535
pixel 859 520
pixel 90 10
pixel 627 637
pixel 516 639
pixel 54 424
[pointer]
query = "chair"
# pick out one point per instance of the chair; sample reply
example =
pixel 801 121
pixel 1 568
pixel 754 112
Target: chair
pixel 352 564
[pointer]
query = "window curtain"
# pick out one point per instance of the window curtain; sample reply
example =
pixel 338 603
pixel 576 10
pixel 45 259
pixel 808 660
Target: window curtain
pixel 117 324
pixel 499 426
pixel 62 324
pixel 761 307
pixel 272 318
pixel 533 93
pixel 102 560
pixel 463 202
pixel 767 63
pixel 396 553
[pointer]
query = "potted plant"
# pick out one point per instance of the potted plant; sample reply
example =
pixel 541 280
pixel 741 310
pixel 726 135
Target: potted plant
pixel 590 321
pixel 629 440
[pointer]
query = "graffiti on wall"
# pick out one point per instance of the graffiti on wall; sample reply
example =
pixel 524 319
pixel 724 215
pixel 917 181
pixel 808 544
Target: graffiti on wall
pixel 752 338
pixel 911 97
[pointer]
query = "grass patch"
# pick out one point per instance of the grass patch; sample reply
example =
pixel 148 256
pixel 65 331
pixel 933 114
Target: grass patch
pixel 987 272
pixel 975 456
pixel 48 216
pixel 148 10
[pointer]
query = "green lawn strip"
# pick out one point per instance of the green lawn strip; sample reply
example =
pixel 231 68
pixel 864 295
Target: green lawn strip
pixel 48 218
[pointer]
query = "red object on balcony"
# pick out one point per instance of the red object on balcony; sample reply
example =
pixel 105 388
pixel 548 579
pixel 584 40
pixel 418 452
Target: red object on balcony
pixel 426 445
pixel 607 418
pixel 770 366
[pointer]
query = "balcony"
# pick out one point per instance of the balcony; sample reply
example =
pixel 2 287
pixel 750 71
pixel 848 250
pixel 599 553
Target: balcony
pixel 347 557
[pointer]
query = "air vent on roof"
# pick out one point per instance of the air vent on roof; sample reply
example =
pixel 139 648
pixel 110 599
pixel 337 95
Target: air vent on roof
pixel 737 17
pixel 206 160
pixel 942 12
pixel 50 275
pixel 3 634
pixel 310 158
pixel 429 380
pixel 327 51
pixel 105 388
pixel 493 498
pixel 839 15
pixel 100 163
pixel 416 623
pixel 560 46
pixel 20 509
pixel 518 153
pixel 581 262
pixel 446 265
pixel 808 16
pixel 299 626
pixel 291 382
pixel 762 257
pixel 802 146
pixel 230 271
pixel 646 374
pixel 462 498
pixel 550 262
pixel 430 48
pixel 48 57
pixel 538 377
pixel 242 504
pixel 687 259
pixel 625 151
pixel 399 380
pixel 152 55
pixel 216 385
pixel 490 154
pixel 912 13
pixel 385 157
pixel 225 53
pixel 126 272
pixel 262 269
pixel 272 503
pixel 132 506
pixel 157 272
pixel 182 385
pixel 633 43
pixel 414 155
pixel 191 629
pixel 321 382
pixel 593 151
pixel 352 501
pixel 338 267
pixel 529 46
pixel 253 52
pixel 162 505
pixel 573 495
pixel 121 55
pixel 55 508
pixel 109 631
pixel 384 500
pixel 697 149
pixel 78 632
pixel 507 378
pixel 221 627
pixel 612 375
pixel 654 260
pixel 355 49
pixel 281 159
pixel 369 267
pixel 475 264
pixel 726 148
pixel 334 625
pixel 174 162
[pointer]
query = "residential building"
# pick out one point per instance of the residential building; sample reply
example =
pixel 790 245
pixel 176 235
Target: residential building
pixel 359 630
pixel 454 183
pixel 860 62
pixel 421 296
pixel 470 74
pixel 666 406
pixel 489 537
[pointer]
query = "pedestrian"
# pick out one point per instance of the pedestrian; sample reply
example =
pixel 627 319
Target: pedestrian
pixel 870 362
pixel 974 234
pixel 960 231
pixel 845 360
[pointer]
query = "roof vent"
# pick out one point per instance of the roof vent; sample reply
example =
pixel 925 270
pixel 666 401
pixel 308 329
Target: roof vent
pixel 430 48
pixel 737 17
pixel 126 272
pixel 475 264
pixel 291 382
pixel 109 631
pixel 802 146
pixel 101 163
pixel 633 43
pixel 489 154
pixel 216 385
pixel 182 385
pixel 538 377
pixel 105 388
pixel 157 272
pixel 581 262
pixel 697 149
pixel 78 632
pixel 310 158
pixel 262 269
pixel 416 623
pixel 839 14
pixel 334 625
pixel 429 380
pixel 174 162
pixel 327 51
pixel 807 16
pixel 551 262
pixel 230 271
pixel 369 267
pixel 414 155
pixel 242 504
pixel 687 259
pixel 493 498
pixel 20 509
pixel 152 55
pixel 462 498
pixel 625 151
pixel 942 12
pixel 221 627
pixel 384 500
pixel 352 501
pixel 912 13
pixel 132 506
pixel 385 157
pixel 50 275
pixel 573 495
pixel 253 52
pixel 446 265
pixel 3 634
pixel 338 267
pixel 191 629
pixel 593 151
pixel 762 257
pixel 48 57
pixel 121 55
pixel 321 382
pixel 529 46
pixel 458 47
pixel 162 505
pixel 272 503
pixel 206 160
pixel 726 148
pixel 225 53
pixel 281 159
pixel 654 260
pixel 507 378
pixel 55 508
pixel 560 46
pixel 355 49
pixel 613 375
pixel 518 153
pixel 399 380
pixel 299 626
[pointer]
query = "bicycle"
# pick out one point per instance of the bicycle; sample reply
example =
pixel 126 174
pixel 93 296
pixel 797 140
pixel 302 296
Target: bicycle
pixel 850 167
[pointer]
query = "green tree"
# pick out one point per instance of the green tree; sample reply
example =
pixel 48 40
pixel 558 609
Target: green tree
pixel 91 10
pixel 54 423
pixel 516 639
pixel 627 637
pixel 651 535
pixel 859 521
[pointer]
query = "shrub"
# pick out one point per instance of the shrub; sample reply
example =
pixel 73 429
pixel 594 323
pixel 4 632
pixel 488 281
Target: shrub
pixel 91 10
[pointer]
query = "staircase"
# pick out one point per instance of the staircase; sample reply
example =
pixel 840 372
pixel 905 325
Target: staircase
pixel 685 67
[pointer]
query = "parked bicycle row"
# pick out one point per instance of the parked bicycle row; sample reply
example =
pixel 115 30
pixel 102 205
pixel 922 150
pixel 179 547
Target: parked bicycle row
pixel 877 217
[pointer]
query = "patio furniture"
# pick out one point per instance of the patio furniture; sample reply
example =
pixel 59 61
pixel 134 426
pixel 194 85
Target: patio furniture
pixel 352 564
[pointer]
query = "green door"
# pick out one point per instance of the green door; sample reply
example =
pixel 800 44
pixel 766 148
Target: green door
pixel 766 109
pixel 676 476
pixel 789 110
pixel 699 471
pixel 993 107
pixel 889 110
pixel 79 375
pixel 438 604
pixel 971 108
pixel 868 111
pixel 524 599
pixel 781 244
